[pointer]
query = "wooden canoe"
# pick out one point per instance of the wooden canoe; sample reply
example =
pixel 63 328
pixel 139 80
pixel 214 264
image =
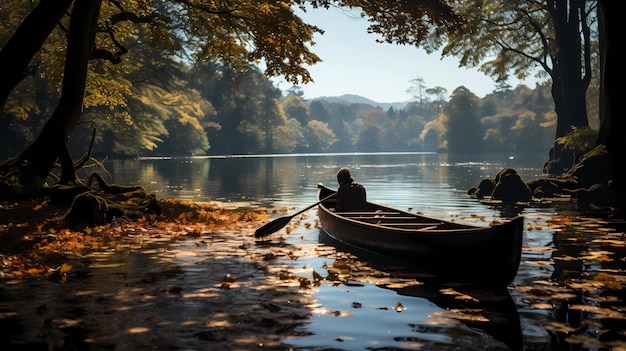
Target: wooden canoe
pixel 479 254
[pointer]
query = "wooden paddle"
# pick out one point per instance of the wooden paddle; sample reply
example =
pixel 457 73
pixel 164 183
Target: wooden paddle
pixel 278 223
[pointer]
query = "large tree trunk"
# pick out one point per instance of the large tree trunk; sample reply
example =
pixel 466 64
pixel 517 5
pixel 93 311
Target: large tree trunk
pixel 612 127
pixel 51 142
pixel 27 40
pixel 569 84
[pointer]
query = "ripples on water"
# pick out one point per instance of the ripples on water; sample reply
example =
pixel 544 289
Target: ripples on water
pixel 557 301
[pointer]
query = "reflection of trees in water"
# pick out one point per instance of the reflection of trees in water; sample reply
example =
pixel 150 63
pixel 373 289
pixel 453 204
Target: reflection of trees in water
pixel 589 270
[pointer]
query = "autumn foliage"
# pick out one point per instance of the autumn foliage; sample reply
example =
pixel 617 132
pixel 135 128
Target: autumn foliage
pixel 36 241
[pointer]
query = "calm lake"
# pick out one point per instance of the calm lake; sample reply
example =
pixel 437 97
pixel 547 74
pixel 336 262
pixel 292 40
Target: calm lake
pixel 567 294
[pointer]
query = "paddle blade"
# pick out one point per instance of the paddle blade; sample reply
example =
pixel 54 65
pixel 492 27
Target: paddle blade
pixel 272 226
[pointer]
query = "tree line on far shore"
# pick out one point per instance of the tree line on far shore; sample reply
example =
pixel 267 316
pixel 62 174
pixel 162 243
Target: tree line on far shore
pixel 209 110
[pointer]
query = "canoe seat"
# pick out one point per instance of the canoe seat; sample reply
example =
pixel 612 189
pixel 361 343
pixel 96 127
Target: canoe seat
pixel 428 228
pixel 381 217
pixel 368 213
pixel 414 224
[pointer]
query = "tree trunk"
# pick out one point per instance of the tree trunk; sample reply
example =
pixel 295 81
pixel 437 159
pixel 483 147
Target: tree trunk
pixel 612 127
pixel 569 85
pixel 51 142
pixel 27 40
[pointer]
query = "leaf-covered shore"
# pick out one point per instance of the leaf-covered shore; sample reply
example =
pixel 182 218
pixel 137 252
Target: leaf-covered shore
pixel 35 239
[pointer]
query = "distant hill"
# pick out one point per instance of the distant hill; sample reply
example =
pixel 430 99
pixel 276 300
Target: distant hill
pixel 356 99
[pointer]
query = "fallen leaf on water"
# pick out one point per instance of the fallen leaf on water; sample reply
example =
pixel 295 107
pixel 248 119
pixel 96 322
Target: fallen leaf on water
pixel 585 341
pixel 542 306
pixel 399 307
pixel 317 277
pixel 559 327
pixel 65 268
pixel 599 311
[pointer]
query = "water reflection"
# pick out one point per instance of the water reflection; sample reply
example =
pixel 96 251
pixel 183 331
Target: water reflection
pixel 416 180
pixel 382 305
pixel 418 317
pixel 568 291
pixel 584 296
pixel 157 293
pixel 476 306
pixel 493 312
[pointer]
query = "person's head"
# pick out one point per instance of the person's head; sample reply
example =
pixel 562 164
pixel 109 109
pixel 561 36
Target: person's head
pixel 344 176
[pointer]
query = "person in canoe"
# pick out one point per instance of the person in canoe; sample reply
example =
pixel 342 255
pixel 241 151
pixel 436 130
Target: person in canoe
pixel 351 196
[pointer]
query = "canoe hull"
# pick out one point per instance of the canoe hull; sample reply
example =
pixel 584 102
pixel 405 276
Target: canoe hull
pixel 486 255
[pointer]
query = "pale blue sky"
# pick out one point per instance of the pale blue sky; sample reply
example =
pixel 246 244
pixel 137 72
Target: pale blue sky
pixel 354 63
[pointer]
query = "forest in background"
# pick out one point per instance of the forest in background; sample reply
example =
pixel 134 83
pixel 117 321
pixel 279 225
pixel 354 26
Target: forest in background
pixel 174 110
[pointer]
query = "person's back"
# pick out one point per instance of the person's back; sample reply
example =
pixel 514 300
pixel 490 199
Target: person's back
pixel 351 196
